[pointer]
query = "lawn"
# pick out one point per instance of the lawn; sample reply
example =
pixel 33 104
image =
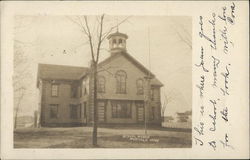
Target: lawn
pixel 80 137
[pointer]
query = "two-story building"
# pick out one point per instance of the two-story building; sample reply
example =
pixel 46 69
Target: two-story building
pixel 66 92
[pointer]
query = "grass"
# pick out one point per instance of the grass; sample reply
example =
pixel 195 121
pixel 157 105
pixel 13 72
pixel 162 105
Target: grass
pixel 80 137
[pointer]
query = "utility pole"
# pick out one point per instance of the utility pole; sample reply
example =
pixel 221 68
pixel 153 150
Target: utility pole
pixel 147 100
pixel 148 87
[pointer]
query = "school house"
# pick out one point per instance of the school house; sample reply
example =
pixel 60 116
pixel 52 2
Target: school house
pixel 66 92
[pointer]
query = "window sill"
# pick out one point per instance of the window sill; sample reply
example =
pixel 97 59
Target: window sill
pixel 139 94
pixel 121 93
pixel 121 118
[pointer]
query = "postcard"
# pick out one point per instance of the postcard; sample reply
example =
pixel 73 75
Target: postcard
pixel 124 79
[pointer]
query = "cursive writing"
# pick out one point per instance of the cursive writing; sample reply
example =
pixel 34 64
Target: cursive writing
pixel 197 140
pixel 203 35
pixel 224 114
pixel 213 116
pixel 202 110
pixel 231 19
pixel 233 10
pixel 225 142
pixel 228 18
pixel 202 61
pixel 212 144
pixel 223 17
pixel 224 37
pixel 226 77
pixel 200 128
pixel 214 82
pixel 216 63
pixel 201 85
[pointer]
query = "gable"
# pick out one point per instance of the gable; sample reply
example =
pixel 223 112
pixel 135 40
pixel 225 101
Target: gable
pixel 129 58
pixel 124 61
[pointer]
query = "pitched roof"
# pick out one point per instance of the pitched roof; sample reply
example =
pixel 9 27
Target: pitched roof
pixel 154 80
pixel 49 71
pixel 117 34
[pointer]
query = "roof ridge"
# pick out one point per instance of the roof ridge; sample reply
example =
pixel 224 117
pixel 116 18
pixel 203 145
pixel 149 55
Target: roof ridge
pixel 131 57
pixel 41 64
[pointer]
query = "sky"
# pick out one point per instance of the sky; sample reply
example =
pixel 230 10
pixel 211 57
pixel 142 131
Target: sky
pixel 43 39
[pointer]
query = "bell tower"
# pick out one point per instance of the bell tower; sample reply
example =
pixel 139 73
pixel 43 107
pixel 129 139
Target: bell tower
pixel 117 42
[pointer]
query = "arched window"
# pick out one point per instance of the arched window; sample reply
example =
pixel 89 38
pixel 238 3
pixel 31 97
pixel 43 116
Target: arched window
pixel 100 84
pixel 120 43
pixel 139 85
pixel 121 77
pixel 114 43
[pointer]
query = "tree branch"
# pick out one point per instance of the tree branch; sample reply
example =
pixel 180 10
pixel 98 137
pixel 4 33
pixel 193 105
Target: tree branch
pixel 90 39
pixel 99 39
pixel 112 28
pixel 185 40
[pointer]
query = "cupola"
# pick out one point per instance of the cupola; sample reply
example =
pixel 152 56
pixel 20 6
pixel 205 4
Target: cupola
pixel 117 42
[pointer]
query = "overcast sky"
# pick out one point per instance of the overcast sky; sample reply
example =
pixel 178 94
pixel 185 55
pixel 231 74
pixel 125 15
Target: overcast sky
pixel 45 38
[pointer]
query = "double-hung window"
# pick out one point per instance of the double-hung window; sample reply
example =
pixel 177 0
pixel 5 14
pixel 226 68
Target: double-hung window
pixel 101 84
pixel 121 109
pixel 121 77
pixel 53 111
pixel 139 85
pixel 54 90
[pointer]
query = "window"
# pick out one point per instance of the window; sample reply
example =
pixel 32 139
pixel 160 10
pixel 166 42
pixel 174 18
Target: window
pixel 152 94
pixel 121 81
pixel 101 84
pixel 114 43
pixel 80 110
pixel 54 90
pixel 73 90
pixel 80 90
pixel 73 111
pixel 120 41
pixel 84 85
pixel 85 109
pixel 152 113
pixel 121 109
pixel 53 111
pixel 85 91
pixel 139 85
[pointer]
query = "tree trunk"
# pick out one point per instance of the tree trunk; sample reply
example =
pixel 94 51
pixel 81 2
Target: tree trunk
pixel 17 109
pixel 15 123
pixel 95 120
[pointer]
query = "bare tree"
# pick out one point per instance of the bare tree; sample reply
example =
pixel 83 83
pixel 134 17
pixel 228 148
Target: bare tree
pixel 18 99
pixel 21 75
pixel 166 100
pixel 21 66
pixel 183 33
pixel 95 38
